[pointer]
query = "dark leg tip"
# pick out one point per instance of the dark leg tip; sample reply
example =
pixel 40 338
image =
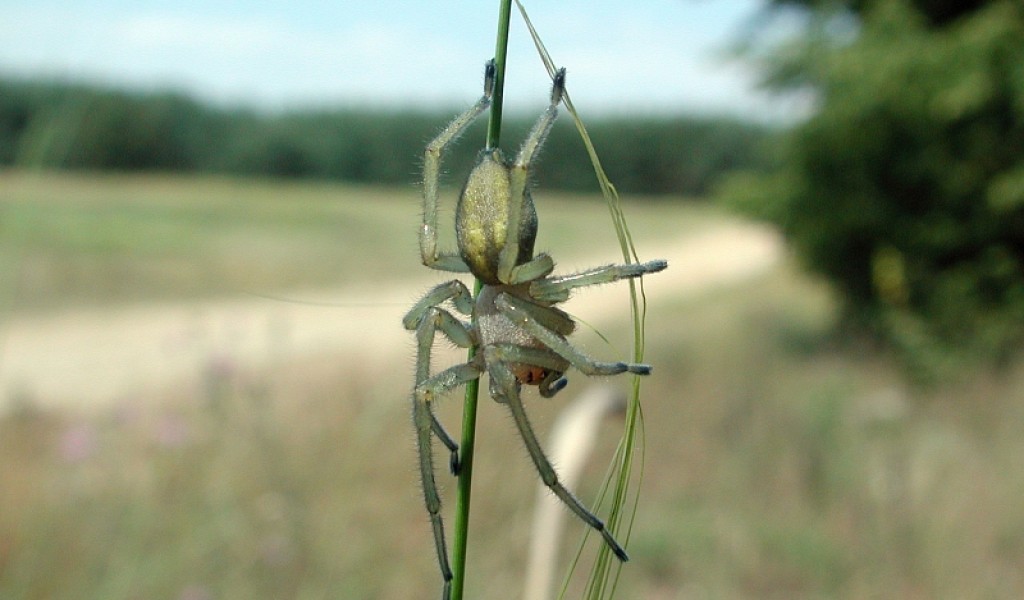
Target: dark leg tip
pixel 619 551
pixel 547 390
pixel 490 73
pixel 635 368
pixel 454 464
pixel 655 265
pixel 558 88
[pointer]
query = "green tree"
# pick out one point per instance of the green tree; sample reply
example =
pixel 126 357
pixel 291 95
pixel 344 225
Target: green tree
pixel 90 129
pixel 71 125
pixel 905 189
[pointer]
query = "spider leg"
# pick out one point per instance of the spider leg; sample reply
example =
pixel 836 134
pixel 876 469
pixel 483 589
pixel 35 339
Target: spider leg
pixel 557 289
pixel 459 333
pixel 453 290
pixel 550 317
pixel 553 318
pixel 523 314
pixel 432 320
pixel 446 261
pixel 427 318
pixel 542 264
pixel 553 382
pixel 425 421
pixel 504 385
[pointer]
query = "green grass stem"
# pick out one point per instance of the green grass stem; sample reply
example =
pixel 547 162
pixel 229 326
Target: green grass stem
pixel 465 483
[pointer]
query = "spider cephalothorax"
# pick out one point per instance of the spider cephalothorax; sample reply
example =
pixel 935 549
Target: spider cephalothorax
pixel 519 334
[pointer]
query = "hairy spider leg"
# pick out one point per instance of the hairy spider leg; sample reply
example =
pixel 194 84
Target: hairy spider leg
pixel 453 290
pixel 434 320
pixel 426 317
pixel 423 416
pixel 508 271
pixel 533 318
pixel 524 315
pixel 554 382
pixel 505 388
pixel 550 316
pixel 557 289
pixel 446 261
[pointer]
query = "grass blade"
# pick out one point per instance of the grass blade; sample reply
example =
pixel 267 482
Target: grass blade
pixel 604 575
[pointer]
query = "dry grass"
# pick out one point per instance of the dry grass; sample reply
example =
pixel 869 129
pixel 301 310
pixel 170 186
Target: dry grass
pixel 71 240
pixel 779 463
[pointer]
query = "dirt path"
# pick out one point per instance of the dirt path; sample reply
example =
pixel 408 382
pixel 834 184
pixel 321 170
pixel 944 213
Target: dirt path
pixel 93 359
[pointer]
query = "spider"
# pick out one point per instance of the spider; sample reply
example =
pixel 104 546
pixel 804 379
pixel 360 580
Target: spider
pixel 518 333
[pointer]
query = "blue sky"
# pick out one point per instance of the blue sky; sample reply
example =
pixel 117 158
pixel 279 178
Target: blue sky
pixel 638 56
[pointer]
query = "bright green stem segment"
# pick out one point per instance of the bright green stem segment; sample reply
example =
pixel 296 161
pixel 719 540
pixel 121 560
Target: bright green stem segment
pixel 500 52
pixel 465 483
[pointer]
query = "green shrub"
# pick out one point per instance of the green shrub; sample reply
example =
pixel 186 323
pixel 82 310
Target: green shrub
pixel 60 125
pixel 906 188
pixel 89 129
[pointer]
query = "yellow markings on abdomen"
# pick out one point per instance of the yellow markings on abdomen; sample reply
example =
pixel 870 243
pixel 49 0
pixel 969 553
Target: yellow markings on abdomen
pixel 482 217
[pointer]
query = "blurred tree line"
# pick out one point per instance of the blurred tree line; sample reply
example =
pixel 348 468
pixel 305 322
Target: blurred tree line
pixel 68 126
pixel 906 187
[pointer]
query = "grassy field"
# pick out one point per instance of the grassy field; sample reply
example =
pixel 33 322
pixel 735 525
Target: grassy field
pixel 98 239
pixel 780 463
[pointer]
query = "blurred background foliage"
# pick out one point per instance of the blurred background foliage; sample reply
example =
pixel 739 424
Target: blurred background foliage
pixel 64 126
pixel 905 189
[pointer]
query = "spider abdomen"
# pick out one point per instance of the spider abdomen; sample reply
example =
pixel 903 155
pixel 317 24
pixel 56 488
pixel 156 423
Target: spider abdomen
pixel 481 218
